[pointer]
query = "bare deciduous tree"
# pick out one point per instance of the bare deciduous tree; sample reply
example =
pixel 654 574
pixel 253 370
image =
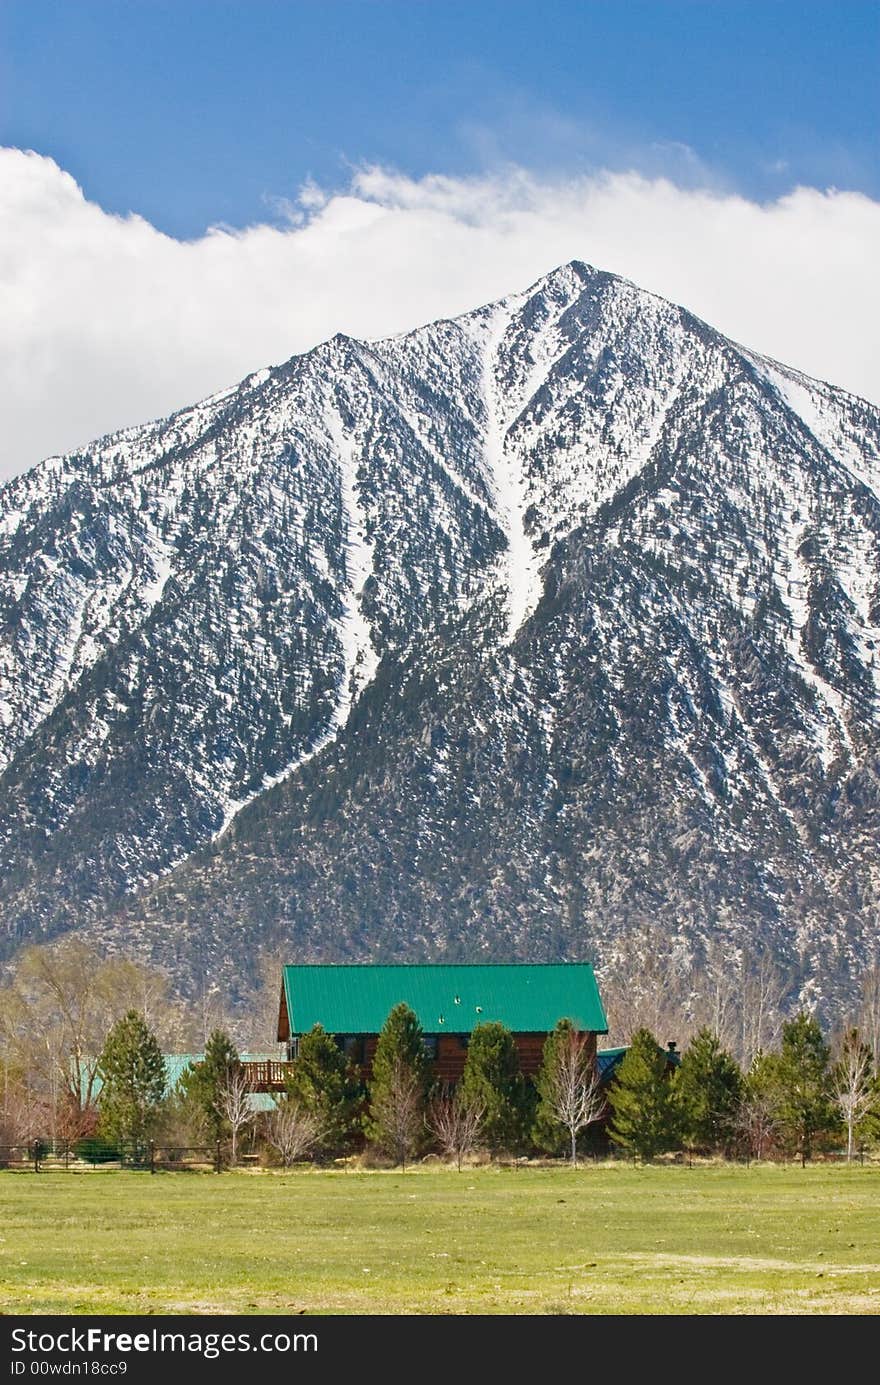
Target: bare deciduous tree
pixel 293 1130
pixel 23 1114
pixel 735 991
pixel 739 995
pixel 399 1109
pixel 647 986
pixel 852 1085
pixel 255 1027
pixel 763 991
pixel 457 1125
pixel 55 1014
pixel 234 1104
pixel 756 1124
pixel 572 1088
pixel 717 998
pixel 211 1012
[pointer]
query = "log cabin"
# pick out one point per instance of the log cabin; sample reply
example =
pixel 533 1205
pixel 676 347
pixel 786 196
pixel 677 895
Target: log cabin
pixel 352 1002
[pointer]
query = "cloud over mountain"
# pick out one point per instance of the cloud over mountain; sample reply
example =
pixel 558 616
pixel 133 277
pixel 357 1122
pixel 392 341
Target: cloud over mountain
pixel 108 321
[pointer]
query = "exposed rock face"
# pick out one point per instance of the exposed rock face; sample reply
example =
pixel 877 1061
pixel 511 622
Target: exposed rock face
pixel 495 639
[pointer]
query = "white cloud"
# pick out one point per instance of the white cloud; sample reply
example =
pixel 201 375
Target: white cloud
pixel 107 322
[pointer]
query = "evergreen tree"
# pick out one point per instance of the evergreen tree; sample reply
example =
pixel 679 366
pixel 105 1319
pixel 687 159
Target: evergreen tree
pixel 399 1086
pixel 492 1079
pixel 132 1072
pixel 708 1088
pixel 323 1082
pixel 202 1083
pixel 643 1110
pixel 801 1082
pixel 181 1121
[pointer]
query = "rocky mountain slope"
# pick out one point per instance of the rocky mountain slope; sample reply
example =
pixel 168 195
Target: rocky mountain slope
pixel 495 639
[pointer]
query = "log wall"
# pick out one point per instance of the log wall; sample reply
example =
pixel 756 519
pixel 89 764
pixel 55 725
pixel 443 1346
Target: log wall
pixel 448 1066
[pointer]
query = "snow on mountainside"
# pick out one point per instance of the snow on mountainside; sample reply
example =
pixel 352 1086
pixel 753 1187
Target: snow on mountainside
pixel 497 637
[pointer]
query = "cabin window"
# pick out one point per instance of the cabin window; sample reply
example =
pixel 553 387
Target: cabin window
pixel 430 1044
pixel 353 1047
pixel 292 1049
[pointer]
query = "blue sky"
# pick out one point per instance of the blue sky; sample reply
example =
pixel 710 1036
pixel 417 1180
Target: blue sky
pixel 200 112
pixel 216 185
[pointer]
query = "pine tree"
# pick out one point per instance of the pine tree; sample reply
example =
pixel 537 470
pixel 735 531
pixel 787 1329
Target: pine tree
pixel 708 1088
pixel 493 1080
pixel 801 1085
pixel 182 1121
pixel 203 1082
pixel 399 1086
pixel 643 1111
pixel 323 1082
pixel 132 1072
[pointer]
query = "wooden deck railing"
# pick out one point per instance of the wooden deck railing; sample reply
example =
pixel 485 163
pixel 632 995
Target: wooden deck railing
pixel 266 1075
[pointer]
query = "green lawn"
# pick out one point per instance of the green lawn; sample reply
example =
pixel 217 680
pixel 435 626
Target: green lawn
pixel 602 1239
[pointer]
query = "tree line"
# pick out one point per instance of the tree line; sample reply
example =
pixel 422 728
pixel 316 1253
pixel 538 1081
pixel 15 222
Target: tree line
pixel 328 1110
pixel 795 1101
pixel 82 1039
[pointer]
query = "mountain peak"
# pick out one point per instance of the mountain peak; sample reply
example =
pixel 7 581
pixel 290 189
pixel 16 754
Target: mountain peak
pixel 505 636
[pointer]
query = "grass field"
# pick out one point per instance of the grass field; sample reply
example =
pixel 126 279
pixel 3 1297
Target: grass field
pixel 603 1239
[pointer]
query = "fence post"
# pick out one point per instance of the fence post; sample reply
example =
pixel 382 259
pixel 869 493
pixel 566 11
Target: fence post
pixel 36 1156
pixel 152 1156
pixel 217 1158
pixel 66 1155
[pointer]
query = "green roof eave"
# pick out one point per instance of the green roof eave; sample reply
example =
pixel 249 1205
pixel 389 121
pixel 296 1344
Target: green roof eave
pixel 527 998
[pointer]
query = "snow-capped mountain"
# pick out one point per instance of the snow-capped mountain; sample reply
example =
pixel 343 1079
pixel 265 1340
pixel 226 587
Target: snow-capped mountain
pixel 496 638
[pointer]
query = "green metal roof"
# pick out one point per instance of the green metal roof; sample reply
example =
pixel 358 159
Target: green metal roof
pixel 608 1060
pixel 446 999
pixel 177 1063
